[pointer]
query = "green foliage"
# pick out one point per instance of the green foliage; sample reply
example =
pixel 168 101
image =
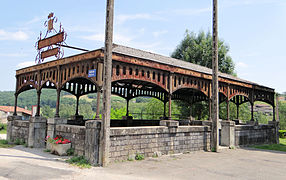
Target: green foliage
pixel 79 161
pixel 5 144
pixel 277 147
pixel 19 142
pixel 139 157
pixel 282 133
pixel 197 49
pixel 3 128
pixel 47 112
pixel 117 113
pixel 47 150
pixel 282 114
pixel 70 152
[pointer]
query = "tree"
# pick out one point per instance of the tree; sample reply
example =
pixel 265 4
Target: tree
pixel 197 49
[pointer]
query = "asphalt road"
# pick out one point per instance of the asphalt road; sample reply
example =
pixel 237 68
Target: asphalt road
pixel 26 163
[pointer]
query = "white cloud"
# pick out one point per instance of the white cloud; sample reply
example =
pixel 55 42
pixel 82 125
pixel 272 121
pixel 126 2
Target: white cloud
pixel 13 55
pixel 17 36
pixel 241 65
pixel 187 12
pixel 117 38
pixel 25 64
pixel 159 33
pixel 120 19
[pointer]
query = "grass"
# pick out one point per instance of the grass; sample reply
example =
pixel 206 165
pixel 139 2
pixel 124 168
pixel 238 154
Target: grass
pixel 277 147
pixel 79 161
pixel 4 144
pixel 3 128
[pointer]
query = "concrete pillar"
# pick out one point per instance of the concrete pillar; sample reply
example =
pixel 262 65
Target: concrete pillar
pixel 228 133
pixel 276 133
pixel 37 132
pixel 10 124
pixel 52 123
pixel 92 139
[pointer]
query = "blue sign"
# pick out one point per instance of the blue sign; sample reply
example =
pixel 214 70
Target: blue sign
pixel 92 73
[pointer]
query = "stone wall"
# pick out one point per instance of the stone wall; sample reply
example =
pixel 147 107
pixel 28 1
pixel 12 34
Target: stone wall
pixel 127 141
pixel 76 134
pixel 259 134
pixel 20 130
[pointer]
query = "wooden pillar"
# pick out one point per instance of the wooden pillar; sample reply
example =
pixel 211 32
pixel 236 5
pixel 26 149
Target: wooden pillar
pixel 77 104
pixel 277 107
pixel 58 103
pixel 227 110
pixel 274 112
pixel 15 105
pixel 170 96
pixel 215 110
pixel 210 109
pixel 165 109
pixel 38 102
pixel 191 111
pixel 252 114
pixel 237 111
pixel 105 130
pixel 98 103
pixel 170 107
pixel 127 107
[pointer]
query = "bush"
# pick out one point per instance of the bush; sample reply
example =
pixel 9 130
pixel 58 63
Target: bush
pixel 19 142
pixel 70 152
pixel 282 133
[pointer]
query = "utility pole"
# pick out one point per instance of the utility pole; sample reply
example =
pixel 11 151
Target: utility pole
pixel 215 115
pixel 105 129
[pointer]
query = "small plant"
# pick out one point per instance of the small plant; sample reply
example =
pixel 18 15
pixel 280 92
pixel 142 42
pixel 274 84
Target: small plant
pixel 231 147
pixel 139 157
pixel 70 152
pixel 19 142
pixel 79 161
pixel 25 145
pixel 3 128
pixel 47 150
pixel 130 158
pixel 282 133
pixel 213 150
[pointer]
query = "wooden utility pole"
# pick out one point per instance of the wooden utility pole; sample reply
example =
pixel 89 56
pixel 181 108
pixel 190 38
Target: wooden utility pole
pixel 105 129
pixel 215 115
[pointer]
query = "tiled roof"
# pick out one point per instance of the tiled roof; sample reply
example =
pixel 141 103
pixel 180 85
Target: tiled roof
pixel 11 109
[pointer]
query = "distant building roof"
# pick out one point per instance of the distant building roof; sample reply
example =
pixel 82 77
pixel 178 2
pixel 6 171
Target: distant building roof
pixel 11 109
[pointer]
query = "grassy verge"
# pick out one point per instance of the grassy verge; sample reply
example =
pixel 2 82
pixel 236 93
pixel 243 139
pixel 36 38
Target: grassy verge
pixel 3 128
pixel 4 144
pixel 277 147
pixel 79 161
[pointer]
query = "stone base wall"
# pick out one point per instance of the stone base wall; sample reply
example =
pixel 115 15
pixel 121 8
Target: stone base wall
pixel 127 141
pixel 20 130
pixel 249 134
pixel 76 134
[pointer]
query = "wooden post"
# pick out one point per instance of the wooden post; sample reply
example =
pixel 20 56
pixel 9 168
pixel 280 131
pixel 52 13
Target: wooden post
pixel 58 103
pixel 127 107
pixel 15 105
pixel 38 102
pixel 237 111
pixel 164 109
pixel 170 96
pixel 98 103
pixel 252 114
pixel 105 131
pixel 77 103
pixel 277 107
pixel 215 111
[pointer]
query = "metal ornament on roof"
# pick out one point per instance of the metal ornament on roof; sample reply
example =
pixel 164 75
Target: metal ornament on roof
pixel 52 45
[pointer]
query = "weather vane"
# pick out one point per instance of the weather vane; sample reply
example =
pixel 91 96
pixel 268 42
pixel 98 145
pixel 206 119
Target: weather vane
pixel 50 46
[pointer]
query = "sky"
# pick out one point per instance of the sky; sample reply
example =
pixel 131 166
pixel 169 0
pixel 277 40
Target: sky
pixel 255 31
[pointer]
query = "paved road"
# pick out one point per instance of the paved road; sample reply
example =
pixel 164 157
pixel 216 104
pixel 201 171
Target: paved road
pixel 26 163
